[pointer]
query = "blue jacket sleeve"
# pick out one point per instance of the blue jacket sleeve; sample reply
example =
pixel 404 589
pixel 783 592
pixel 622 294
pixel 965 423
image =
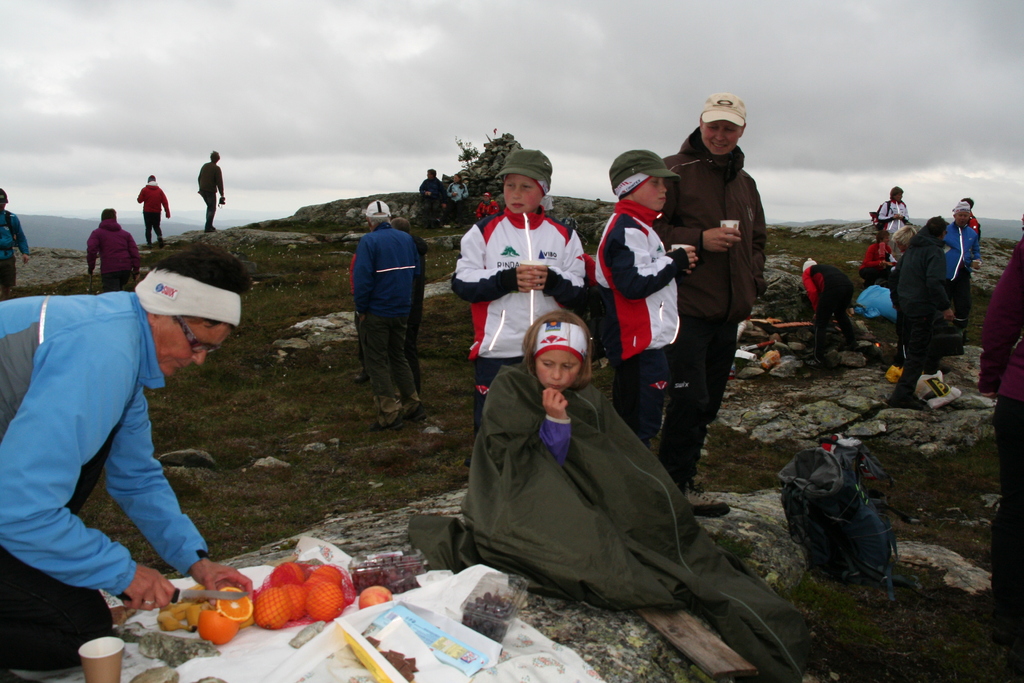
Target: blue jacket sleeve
pixel 19 234
pixel 362 276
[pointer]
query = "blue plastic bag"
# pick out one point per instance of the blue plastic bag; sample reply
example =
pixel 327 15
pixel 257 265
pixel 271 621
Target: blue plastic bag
pixel 874 301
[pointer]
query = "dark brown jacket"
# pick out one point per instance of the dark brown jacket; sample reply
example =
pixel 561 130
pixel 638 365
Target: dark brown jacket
pixel 724 285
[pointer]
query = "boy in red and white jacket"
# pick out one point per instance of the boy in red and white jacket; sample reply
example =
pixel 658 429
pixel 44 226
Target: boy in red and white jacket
pixel 510 274
pixel 637 280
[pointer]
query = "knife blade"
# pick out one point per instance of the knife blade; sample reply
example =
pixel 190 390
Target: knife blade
pixel 206 595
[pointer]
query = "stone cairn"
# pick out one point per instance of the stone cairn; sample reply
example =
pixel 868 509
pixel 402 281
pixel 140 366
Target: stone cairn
pixel 481 174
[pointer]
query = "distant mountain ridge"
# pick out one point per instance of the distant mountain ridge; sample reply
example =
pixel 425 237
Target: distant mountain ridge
pixel 58 232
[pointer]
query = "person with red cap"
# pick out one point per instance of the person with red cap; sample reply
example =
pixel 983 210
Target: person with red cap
pixel 152 199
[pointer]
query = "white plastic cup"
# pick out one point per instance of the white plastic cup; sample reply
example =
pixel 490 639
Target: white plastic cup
pixel 677 246
pixel 730 224
pixel 101 660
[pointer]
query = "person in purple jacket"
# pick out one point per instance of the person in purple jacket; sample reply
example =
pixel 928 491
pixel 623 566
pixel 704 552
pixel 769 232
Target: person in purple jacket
pixel 1002 375
pixel 119 256
pixel 557 349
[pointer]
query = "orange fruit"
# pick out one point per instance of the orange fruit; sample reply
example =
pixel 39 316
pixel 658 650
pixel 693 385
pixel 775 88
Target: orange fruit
pixel 216 628
pixel 287 573
pixel 326 572
pixel 273 608
pixel 297 596
pixel 325 601
pixel 236 610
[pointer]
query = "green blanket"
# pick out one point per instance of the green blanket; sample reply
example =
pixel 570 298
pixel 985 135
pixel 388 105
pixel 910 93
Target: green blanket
pixel 609 528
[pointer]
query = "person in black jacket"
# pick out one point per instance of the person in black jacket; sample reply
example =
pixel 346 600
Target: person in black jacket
pixel 830 291
pixel 920 285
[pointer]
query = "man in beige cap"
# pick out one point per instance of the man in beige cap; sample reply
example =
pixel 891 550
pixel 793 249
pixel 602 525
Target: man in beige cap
pixel 715 207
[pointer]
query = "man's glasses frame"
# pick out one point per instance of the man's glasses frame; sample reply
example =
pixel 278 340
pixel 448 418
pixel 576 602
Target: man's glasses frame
pixel 196 345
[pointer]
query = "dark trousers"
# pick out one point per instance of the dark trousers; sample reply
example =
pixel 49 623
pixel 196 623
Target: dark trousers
pixel 1008 526
pixel 699 362
pixel 871 275
pixel 42 620
pixel 412 353
pixel 115 281
pixel 211 209
pixel 431 212
pixel 484 372
pixel 638 392
pixel 152 221
pixel 959 291
pixel 901 348
pixel 832 303
pixel 454 212
pixel 917 337
pixel 383 341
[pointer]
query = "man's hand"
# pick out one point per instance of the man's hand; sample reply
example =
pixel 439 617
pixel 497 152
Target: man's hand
pixel 148 590
pixel 531 277
pixel 947 315
pixel 223 200
pixel 24 258
pixel 720 239
pixel 554 404
pixel 168 214
pixel 215 576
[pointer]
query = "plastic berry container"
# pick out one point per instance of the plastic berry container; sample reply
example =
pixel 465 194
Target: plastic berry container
pixel 494 603
pixel 396 571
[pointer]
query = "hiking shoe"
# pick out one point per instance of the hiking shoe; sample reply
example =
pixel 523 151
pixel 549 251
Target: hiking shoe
pixel 1004 629
pixel 378 427
pixel 908 403
pixel 814 363
pixel 361 378
pixel 704 505
pixel 417 415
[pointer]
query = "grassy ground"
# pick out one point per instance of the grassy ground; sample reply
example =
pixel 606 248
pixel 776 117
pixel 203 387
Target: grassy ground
pixel 247 403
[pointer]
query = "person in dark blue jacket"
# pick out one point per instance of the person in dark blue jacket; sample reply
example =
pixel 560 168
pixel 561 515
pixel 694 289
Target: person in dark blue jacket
pixel 962 255
pixel 385 265
pixel 432 199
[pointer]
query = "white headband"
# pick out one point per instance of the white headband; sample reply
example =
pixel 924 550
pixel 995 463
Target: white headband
pixel 631 183
pixel 556 335
pixel 163 292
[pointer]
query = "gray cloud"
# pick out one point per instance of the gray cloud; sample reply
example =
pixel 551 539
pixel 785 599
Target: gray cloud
pixel 315 99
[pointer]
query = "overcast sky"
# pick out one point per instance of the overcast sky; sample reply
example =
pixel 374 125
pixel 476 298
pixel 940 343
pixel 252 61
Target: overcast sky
pixel 314 100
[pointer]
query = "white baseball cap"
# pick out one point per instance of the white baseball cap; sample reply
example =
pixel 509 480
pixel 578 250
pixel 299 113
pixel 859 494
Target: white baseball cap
pixel 724 106
pixel 378 209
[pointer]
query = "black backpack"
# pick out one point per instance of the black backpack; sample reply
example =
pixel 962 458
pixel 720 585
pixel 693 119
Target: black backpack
pixel 837 520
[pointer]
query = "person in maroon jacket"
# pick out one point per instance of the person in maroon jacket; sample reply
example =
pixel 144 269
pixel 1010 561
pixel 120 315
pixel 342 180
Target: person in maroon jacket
pixel 152 198
pixel 1002 376
pixel 119 257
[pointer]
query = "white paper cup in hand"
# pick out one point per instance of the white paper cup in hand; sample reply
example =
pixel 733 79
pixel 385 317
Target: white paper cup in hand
pixel 101 660
pixel 735 225
pixel 677 246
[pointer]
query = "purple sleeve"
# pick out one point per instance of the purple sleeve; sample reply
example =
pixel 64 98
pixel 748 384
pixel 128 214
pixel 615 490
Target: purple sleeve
pixel 555 436
pixel 1002 327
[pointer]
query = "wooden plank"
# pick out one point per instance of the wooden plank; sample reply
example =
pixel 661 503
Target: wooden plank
pixel 701 646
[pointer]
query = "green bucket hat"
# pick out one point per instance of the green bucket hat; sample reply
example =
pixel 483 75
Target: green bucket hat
pixel 528 162
pixel 638 161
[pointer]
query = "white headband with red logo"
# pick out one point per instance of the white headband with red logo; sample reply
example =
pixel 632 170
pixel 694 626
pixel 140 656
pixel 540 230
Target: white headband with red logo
pixel 562 336
pixel 163 292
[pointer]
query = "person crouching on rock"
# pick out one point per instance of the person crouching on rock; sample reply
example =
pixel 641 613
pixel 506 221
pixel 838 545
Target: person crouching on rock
pixel 878 260
pixel 830 292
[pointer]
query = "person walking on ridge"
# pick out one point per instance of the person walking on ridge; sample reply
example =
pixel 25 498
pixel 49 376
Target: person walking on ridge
pixel 211 180
pixel 152 199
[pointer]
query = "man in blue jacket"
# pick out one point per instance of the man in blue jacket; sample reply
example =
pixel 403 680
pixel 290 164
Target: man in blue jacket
pixel 432 199
pixel 386 262
pixel 72 406
pixel 963 255
pixel 11 235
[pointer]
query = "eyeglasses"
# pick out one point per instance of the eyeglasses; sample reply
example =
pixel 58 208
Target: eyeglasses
pixel 196 345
